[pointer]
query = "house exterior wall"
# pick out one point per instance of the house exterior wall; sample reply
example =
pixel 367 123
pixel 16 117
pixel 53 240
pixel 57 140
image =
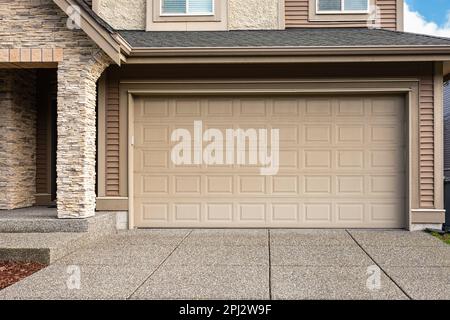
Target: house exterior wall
pixel 43 25
pixel 447 131
pixel 255 14
pixel 427 143
pixel 18 132
pixel 240 14
pixel 122 14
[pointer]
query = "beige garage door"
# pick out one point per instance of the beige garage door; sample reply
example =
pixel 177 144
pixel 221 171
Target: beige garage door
pixel 342 163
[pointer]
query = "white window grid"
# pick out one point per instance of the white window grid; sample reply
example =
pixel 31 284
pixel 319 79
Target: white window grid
pixel 187 11
pixel 342 11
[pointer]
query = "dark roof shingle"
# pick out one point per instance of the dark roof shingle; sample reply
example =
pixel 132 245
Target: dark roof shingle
pixel 299 37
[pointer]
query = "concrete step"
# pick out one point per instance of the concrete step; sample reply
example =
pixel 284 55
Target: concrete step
pixel 49 247
pixel 42 220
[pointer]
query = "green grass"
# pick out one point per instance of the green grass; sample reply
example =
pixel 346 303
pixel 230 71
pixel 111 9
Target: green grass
pixel 443 237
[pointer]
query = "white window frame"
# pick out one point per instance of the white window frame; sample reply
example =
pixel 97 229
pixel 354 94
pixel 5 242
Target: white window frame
pixel 212 13
pixel 342 11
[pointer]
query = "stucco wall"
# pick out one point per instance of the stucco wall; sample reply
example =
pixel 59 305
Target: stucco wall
pixel 242 14
pixel 253 14
pixel 123 14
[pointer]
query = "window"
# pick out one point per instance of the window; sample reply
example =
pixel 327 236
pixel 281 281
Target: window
pixel 342 6
pixel 187 7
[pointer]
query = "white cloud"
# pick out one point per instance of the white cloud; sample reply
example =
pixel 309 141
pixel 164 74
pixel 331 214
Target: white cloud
pixel 415 22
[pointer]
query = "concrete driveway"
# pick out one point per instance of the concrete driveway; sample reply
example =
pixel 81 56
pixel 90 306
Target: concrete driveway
pixel 248 264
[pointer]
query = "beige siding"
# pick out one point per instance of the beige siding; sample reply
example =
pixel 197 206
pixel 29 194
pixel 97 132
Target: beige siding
pixel 42 159
pixel 388 9
pixel 112 136
pixel 426 142
pixel 46 92
pixel 297 15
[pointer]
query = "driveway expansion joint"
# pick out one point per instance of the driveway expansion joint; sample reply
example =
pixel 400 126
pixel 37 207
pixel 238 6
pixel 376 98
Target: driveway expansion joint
pixel 379 266
pixel 159 266
pixel 270 265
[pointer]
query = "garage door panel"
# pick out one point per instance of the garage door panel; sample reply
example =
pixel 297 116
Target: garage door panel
pixel 349 134
pixel 317 159
pixel 253 108
pixel 284 185
pixel 386 159
pixel 386 134
pixel 151 159
pixel 387 107
pixel 316 133
pixel 318 107
pixel 341 164
pixel 349 159
pixel 151 185
pixel 350 185
pixel 350 213
pixel 317 212
pixel 152 108
pixel 285 213
pixel 351 107
pixel 187 107
pixel 286 108
pixel 222 185
pixel 220 108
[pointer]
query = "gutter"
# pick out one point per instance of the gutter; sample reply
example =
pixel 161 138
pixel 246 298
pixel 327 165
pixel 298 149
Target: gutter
pixel 283 51
pixel 180 55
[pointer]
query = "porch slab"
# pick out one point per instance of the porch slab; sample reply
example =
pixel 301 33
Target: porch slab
pixel 47 247
pixel 40 220
pixel 43 248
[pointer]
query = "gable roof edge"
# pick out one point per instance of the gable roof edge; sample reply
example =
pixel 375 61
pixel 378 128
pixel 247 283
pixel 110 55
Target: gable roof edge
pixel 104 37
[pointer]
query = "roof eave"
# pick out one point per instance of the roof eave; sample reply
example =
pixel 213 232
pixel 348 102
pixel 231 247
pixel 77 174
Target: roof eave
pixel 288 54
pixel 261 51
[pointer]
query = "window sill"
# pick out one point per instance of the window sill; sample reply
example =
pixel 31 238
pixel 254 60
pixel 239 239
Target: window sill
pixel 341 12
pixel 187 15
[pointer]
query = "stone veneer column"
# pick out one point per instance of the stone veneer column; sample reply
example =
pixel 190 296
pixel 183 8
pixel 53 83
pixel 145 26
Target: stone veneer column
pixel 77 97
pixel 18 138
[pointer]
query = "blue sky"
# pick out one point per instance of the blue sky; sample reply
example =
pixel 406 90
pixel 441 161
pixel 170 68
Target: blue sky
pixel 428 16
pixel 432 10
